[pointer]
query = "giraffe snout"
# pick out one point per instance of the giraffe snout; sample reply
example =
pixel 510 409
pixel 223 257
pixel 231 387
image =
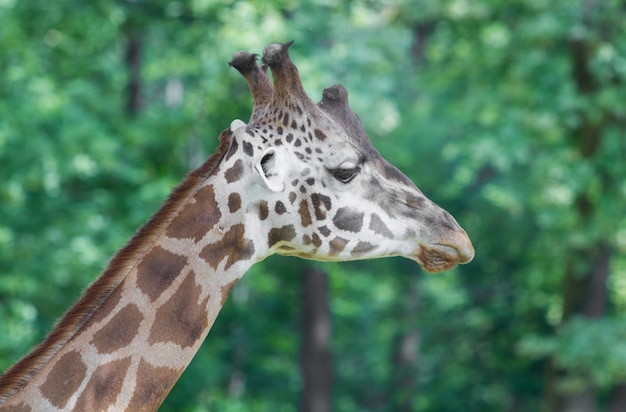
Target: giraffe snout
pixel 446 250
pixel 463 245
pixel 454 249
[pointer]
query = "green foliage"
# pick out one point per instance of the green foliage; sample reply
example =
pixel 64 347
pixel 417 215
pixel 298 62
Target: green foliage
pixel 589 347
pixel 481 103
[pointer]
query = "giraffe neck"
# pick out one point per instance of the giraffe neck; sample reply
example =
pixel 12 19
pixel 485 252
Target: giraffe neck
pixel 130 337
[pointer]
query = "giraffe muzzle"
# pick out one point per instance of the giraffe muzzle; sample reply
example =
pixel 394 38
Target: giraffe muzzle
pixel 447 254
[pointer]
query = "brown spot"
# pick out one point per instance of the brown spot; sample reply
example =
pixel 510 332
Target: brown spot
pixel 22 407
pixel 362 248
pixel 292 197
pixel 248 148
pixel 317 241
pixel 289 137
pixel 158 270
pixel 226 289
pixel 310 181
pixel 232 150
pixel 234 202
pixel 324 230
pixel 235 172
pixel 64 379
pixel 285 233
pixel 379 227
pixel 337 245
pixel 263 210
pixel 305 216
pixel 152 386
pixel 119 331
pixel 183 318
pixel 280 208
pixel 104 386
pixel 196 219
pixel 306 240
pixel 321 204
pixel 416 202
pixel 285 119
pixel 319 134
pixel 232 245
pixel 348 219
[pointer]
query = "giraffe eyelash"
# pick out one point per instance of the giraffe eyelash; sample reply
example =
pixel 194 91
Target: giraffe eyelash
pixel 345 175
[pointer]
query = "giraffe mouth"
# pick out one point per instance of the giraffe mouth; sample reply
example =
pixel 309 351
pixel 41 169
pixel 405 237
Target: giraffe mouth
pixel 438 257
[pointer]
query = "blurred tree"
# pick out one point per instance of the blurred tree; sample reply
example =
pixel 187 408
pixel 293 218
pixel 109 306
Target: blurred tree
pixel 315 356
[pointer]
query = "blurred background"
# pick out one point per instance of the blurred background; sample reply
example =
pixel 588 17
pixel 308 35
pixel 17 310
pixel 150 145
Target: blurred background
pixel 509 114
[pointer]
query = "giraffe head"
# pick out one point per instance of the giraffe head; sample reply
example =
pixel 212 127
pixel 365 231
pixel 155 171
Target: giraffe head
pixel 319 189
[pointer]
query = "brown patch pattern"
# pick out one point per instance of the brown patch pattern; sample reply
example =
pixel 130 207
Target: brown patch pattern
pixel 64 379
pixel 235 172
pixel 248 148
pixel 198 218
pixel 362 248
pixel 157 271
pixel 20 374
pixel 321 204
pixel 153 385
pixel 317 242
pixel 22 407
pixel 234 146
pixel 324 230
pixel 232 245
pixel 280 208
pixel 348 219
pixel 337 245
pixel 319 134
pixel 285 233
pixel 234 202
pixel 379 227
pixel 181 319
pixel 305 216
pixel 263 210
pixel 104 386
pixel 119 331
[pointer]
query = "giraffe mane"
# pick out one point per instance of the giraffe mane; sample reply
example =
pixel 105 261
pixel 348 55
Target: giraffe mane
pixel 18 375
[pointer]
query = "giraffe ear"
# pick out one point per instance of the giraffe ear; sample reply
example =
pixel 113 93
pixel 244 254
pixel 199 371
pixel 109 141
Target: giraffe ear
pixel 271 167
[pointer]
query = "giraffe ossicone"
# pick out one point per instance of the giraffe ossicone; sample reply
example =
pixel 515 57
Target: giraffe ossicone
pixel 300 179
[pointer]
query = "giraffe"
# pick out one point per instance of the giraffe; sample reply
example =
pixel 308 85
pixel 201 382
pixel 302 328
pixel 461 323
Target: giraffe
pixel 298 179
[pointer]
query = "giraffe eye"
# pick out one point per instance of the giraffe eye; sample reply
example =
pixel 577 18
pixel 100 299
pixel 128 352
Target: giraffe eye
pixel 345 175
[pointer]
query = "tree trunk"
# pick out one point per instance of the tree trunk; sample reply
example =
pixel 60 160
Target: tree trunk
pixel 586 269
pixel 133 67
pixel 316 355
pixel 618 399
pixel 405 374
